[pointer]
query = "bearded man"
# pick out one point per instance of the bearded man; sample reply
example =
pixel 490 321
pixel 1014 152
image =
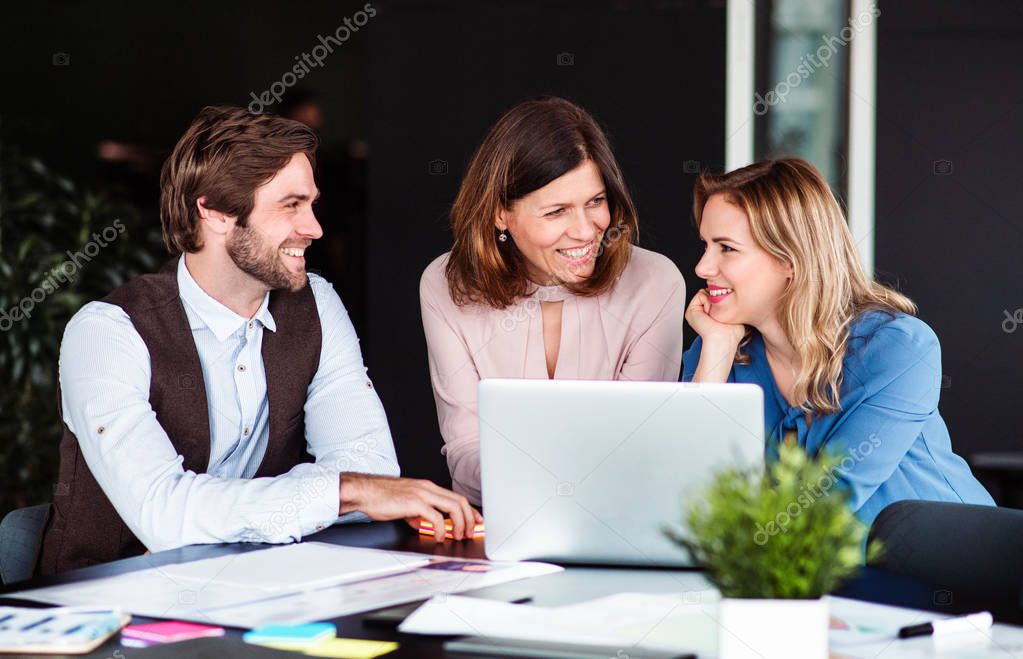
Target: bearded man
pixel 225 399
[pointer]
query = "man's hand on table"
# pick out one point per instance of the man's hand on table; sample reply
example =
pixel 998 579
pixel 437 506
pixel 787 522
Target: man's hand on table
pixel 384 498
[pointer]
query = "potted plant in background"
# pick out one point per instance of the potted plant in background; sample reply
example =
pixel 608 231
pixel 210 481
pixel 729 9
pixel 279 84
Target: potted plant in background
pixel 774 542
pixel 61 245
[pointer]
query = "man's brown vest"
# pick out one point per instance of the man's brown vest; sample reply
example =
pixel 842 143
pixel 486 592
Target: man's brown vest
pixel 84 528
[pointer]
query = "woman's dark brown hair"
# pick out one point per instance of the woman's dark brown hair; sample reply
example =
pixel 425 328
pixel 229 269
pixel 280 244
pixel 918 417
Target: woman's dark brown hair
pixel 532 144
pixel 224 156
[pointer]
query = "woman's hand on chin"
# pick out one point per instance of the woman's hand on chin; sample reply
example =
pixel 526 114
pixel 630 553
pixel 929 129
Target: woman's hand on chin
pixel 720 341
pixel 712 332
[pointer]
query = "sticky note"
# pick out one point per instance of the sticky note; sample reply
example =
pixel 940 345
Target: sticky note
pixel 170 631
pixel 291 637
pixel 351 648
pixel 426 528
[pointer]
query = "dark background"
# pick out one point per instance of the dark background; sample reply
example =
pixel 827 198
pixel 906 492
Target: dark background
pixel 422 81
pixel 950 88
pixel 653 77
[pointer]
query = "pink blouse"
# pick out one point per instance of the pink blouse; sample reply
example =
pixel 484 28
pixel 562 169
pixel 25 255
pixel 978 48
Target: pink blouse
pixel 633 332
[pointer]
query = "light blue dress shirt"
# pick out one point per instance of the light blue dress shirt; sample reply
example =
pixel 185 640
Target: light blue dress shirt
pixel 888 425
pixel 105 378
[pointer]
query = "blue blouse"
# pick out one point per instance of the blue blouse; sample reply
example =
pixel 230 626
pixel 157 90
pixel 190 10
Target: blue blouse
pixel 888 423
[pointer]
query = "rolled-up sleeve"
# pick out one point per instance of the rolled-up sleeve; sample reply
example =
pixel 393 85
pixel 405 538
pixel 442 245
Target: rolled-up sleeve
pixel 105 378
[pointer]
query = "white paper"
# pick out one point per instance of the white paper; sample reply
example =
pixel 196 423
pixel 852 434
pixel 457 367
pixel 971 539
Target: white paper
pixel 287 584
pixel 301 566
pixel 346 599
pixel 683 622
pixel 855 622
pixel 687 622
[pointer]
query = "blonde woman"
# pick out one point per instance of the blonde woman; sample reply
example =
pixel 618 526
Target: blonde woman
pixel 844 363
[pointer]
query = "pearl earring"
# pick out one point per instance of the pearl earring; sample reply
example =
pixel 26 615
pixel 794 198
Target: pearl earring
pixel 503 237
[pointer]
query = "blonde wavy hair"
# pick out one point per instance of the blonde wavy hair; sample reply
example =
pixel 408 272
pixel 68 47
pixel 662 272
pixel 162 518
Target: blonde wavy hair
pixel 794 216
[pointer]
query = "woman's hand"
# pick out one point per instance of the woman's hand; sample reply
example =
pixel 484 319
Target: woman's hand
pixel 712 331
pixel 720 340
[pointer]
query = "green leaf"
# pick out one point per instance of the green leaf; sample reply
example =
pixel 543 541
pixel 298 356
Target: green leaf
pixel 776 533
pixel 44 215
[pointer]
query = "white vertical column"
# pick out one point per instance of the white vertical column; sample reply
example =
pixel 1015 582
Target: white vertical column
pixel 739 80
pixel 862 131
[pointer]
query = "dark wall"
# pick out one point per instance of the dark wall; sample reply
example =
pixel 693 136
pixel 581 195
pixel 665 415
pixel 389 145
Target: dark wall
pixel 425 79
pixel 139 72
pixel 440 75
pixel 949 194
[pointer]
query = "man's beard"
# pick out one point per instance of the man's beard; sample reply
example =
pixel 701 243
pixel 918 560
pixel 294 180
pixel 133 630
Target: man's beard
pixel 249 252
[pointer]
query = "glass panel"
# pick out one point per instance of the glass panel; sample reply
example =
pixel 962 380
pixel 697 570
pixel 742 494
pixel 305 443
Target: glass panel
pixel 802 89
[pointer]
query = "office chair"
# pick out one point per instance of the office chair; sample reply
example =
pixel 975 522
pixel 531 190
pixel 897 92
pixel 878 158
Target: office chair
pixel 968 552
pixel 21 537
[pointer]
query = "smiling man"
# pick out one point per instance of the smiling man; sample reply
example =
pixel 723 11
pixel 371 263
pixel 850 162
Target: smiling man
pixel 224 399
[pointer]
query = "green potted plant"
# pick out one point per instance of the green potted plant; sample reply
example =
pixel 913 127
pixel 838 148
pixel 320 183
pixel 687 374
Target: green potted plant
pixel 774 542
pixel 62 244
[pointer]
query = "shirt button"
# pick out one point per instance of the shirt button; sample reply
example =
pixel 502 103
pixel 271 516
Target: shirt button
pixel 319 527
pixel 101 429
pixel 251 324
pixel 241 368
pixel 369 385
pixel 245 432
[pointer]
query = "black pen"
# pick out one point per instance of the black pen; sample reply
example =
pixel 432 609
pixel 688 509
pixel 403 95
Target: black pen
pixel 974 621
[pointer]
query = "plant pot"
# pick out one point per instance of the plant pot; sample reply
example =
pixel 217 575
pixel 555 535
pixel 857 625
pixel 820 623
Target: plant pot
pixel 773 629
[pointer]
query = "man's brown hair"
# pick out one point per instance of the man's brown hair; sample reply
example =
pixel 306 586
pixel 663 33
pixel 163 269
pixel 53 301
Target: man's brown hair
pixel 532 144
pixel 224 156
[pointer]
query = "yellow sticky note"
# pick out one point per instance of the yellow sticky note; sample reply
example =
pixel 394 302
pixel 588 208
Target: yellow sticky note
pixel 351 648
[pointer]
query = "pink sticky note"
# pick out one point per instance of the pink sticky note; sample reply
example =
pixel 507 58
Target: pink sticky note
pixel 170 631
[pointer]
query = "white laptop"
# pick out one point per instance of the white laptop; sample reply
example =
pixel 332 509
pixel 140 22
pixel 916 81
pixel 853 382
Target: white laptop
pixel 592 472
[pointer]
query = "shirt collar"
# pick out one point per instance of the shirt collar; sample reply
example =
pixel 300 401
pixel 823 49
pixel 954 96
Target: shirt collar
pixel 212 314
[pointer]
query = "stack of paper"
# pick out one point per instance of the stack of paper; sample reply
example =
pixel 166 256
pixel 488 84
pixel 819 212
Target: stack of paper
pixel 288 584
pixel 683 622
